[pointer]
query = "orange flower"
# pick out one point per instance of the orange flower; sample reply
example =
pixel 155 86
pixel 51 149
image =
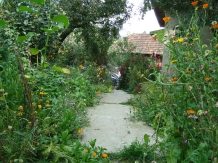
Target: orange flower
pixel 207 79
pixel 205 5
pixel 86 151
pixel 188 71
pixel 155 38
pixel 166 19
pixel 104 155
pixel 80 131
pixel 194 3
pixel 174 79
pixel 191 112
pixel 94 154
pixel 215 26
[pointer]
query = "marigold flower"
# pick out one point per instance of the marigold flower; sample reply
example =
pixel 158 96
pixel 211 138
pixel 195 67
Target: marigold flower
pixel 94 154
pixel 80 131
pixel 194 3
pixel 104 155
pixel 42 93
pixel 174 79
pixel 39 106
pixel 188 71
pixel 20 108
pixel 215 26
pixel 191 112
pixel 166 19
pixel 205 5
pixel 155 38
pixel 47 105
pixel 196 39
pixel 19 114
pixel 86 151
pixel 181 39
pixel 173 61
pixel 207 79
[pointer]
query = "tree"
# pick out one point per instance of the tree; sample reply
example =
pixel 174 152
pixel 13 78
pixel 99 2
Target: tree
pixel 184 7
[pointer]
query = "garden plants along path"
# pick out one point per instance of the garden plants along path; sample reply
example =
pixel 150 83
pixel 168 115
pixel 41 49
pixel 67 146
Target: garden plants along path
pixel 110 123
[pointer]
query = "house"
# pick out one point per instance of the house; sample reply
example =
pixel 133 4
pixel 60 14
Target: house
pixel 146 45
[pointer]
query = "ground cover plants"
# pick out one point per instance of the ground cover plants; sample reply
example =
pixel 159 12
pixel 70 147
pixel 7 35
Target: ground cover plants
pixel 42 101
pixel 182 103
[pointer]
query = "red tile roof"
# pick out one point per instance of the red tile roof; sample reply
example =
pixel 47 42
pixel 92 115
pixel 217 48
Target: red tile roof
pixel 145 44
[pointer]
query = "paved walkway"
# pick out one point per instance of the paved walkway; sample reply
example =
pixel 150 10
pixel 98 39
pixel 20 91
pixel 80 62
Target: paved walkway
pixel 110 123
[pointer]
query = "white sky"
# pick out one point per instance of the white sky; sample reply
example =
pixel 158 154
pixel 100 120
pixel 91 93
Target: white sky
pixel 136 25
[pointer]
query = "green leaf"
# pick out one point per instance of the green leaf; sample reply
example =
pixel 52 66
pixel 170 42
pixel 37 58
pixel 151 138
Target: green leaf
pixel 21 39
pixel 146 139
pixel 41 2
pixel 3 23
pixel 61 18
pixel 19 133
pixel 57 68
pixel 66 71
pixel 34 51
pixel 54 29
pixel 25 8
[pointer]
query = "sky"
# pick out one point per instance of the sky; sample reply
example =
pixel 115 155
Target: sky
pixel 136 25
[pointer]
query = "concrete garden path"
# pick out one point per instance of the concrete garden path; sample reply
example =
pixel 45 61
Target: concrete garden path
pixel 110 123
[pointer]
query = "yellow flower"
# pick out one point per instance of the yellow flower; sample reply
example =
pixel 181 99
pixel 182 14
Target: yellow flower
pixel 180 39
pixel 191 112
pixel 86 151
pixel 20 108
pixel 205 5
pixel 104 155
pixel 35 112
pixel 19 114
pixel 39 106
pixel 42 93
pixel 47 105
pixel 207 79
pixel 194 3
pixel 47 101
pixel 80 131
pixel 216 45
pixel 174 79
pixel 166 19
pixel 94 154
pixel 196 39
pixel 173 61
pixel 80 66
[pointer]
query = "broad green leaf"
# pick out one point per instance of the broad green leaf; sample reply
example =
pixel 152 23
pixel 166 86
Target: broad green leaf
pixel 146 139
pixel 57 68
pixel 34 51
pixel 54 29
pixel 41 2
pixel 21 39
pixel 25 8
pixel 61 18
pixel 3 23
pixel 66 71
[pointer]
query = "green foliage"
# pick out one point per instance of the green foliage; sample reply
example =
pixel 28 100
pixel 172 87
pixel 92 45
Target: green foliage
pixel 182 105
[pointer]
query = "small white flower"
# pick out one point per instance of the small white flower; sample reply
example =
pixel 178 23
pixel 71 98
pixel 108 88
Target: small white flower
pixel 9 127
pixel 214 22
